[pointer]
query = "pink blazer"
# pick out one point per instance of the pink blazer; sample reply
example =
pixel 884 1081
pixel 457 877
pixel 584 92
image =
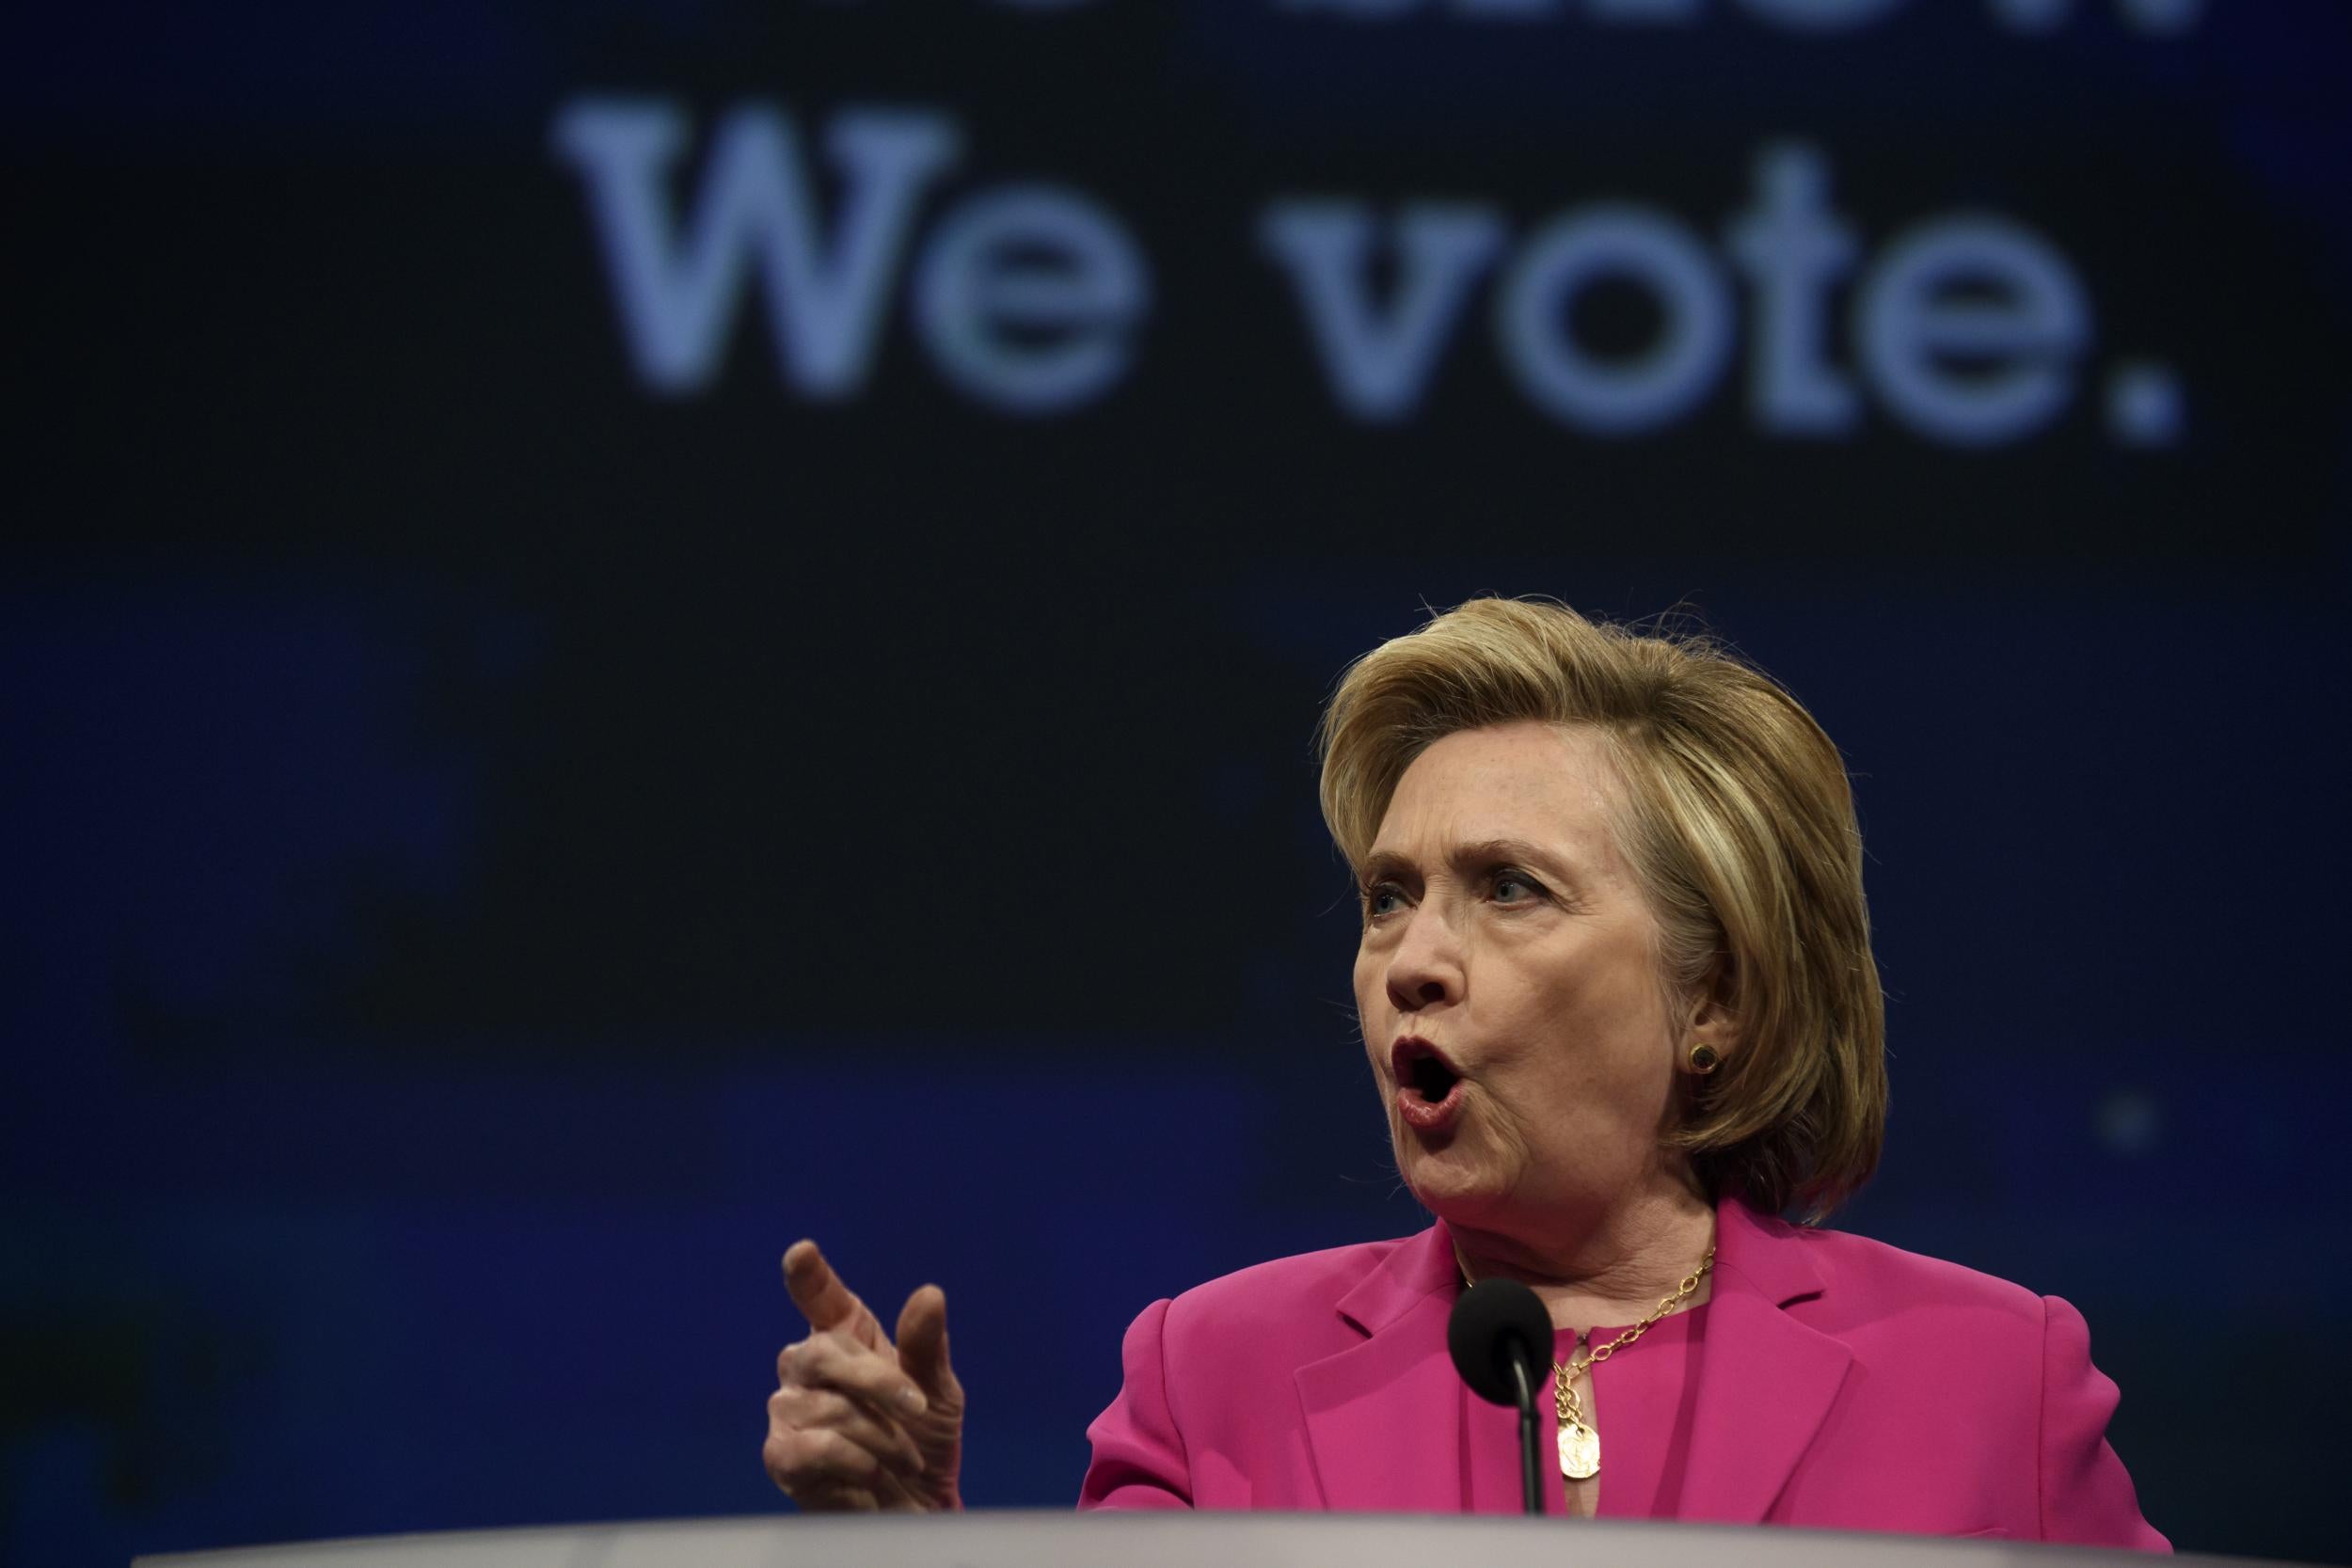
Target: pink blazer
pixel 1843 1385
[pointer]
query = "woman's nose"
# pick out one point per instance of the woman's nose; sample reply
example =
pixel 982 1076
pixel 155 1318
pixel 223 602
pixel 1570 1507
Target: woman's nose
pixel 1426 967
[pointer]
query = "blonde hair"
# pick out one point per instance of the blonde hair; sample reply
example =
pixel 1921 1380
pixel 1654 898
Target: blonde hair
pixel 1740 824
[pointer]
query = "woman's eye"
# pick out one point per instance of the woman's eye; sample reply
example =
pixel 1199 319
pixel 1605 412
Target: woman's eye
pixel 1382 899
pixel 1512 888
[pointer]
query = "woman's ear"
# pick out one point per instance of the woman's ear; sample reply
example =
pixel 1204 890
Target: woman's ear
pixel 1711 1027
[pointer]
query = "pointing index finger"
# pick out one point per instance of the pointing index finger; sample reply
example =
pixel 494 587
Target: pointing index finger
pixel 816 1291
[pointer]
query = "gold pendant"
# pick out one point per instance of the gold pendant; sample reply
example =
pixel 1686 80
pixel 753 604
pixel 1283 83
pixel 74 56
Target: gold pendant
pixel 1580 1451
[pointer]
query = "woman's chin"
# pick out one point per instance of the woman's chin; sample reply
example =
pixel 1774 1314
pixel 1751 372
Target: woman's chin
pixel 1444 1180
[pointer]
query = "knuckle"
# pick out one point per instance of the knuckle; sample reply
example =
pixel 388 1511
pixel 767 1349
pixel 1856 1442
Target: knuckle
pixel 831 1365
pixel 866 1379
pixel 845 1458
pixel 805 1407
pixel 802 1458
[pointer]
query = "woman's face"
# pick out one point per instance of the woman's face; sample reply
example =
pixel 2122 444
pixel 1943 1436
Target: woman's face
pixel 1508 986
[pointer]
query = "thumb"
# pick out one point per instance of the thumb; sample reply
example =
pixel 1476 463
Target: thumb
pixel 922 1342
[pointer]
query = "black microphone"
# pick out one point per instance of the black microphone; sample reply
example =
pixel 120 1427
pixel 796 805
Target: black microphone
pixel 1499 1335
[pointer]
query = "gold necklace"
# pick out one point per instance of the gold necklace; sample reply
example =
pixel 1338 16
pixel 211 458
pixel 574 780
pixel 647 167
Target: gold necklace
pixel 1580 1445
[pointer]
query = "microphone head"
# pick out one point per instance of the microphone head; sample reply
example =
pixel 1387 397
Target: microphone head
pixel 1496 1321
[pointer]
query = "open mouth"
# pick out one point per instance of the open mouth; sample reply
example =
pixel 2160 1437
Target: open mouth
pixel 1428 1085
pixel 1432 1079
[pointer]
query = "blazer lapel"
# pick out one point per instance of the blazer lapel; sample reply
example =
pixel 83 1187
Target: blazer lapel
pixel 1766 1381
pixel 1384 1417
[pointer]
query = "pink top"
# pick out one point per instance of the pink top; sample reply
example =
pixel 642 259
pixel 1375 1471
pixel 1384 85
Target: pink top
pixel 1830 1381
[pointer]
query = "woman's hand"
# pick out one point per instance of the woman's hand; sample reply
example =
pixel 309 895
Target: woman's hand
pixel 855 1423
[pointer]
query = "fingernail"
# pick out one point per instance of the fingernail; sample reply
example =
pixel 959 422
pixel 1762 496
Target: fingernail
pixel 912 1398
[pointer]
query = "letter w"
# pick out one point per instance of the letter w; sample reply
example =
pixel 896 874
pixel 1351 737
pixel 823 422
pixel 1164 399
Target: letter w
pixel 680 294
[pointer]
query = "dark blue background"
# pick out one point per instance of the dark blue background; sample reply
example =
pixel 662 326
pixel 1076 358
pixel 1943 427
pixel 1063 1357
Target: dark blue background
pixel 494 854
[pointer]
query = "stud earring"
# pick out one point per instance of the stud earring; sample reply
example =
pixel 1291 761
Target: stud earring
pixel 1705 1059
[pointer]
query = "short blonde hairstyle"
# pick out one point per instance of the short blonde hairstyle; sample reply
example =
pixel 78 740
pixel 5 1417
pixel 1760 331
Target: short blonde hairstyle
pixel 1740 824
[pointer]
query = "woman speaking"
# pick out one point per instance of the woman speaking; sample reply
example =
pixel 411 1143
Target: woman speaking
pixel 1616 988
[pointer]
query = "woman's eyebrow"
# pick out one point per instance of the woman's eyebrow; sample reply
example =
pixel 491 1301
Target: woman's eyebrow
pixel 1479 855
pixel 1509 851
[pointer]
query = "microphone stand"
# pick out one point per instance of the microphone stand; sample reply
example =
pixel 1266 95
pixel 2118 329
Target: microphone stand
pixel 1499 1336
pixel 1531 1474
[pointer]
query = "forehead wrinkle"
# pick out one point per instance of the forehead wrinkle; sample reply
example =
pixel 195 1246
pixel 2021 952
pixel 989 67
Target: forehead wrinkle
pixel 1521 810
